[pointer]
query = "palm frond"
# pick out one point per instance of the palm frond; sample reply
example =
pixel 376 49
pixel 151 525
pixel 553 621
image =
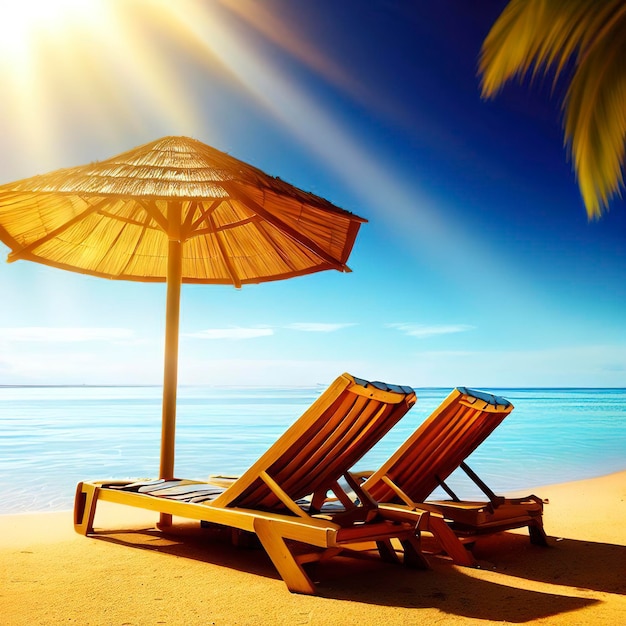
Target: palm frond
pixel 595 120
pixel 533 36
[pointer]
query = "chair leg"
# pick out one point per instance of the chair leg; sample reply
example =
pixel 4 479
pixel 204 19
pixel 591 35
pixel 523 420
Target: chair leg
pixel 85 503
pixel 290 570
pixel 537 534
pixel 450 542
pixel 413 555
pixel 386 551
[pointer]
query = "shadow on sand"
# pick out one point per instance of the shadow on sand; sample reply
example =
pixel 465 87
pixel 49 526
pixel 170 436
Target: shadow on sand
pixel 368 580
pixel 569 562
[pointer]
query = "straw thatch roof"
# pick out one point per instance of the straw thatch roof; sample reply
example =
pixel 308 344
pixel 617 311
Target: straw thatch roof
pixel 115 218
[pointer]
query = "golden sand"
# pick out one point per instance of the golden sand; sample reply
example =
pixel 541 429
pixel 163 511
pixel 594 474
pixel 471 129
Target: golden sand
pixel 133 574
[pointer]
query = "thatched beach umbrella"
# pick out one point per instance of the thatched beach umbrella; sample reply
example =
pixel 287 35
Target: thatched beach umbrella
pixel 179 211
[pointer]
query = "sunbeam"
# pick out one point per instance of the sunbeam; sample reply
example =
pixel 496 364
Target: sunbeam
pixel 99 62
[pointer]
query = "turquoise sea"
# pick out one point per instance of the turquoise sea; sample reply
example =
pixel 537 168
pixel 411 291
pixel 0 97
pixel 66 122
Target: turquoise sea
pixel 52 437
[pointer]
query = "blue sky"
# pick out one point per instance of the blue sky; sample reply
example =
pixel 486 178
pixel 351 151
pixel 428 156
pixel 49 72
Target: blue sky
pixel 477 267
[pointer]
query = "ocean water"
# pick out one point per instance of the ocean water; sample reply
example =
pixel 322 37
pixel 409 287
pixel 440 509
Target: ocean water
pixel 53 437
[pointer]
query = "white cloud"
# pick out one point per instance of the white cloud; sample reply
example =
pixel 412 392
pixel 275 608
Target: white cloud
pixel 54 334
pixel 318 327
pixel 63 365
pixel 230 333
pixel 422 331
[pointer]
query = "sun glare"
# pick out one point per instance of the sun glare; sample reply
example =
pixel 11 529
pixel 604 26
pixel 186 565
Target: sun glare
pixel 25 21
pixel 115 65
pixel 37 39
pixel 124 67
pixel 97 62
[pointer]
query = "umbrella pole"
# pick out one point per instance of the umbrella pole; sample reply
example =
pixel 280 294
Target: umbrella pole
pixel 170 369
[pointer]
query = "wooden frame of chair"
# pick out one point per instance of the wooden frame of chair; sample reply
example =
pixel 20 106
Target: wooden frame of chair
pixel 438 447
pixel 309 458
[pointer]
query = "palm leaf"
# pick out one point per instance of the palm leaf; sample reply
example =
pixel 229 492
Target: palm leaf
pixel 595 122
pixel 536 36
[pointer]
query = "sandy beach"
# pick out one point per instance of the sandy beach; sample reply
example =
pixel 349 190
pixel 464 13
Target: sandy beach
pixel 132 574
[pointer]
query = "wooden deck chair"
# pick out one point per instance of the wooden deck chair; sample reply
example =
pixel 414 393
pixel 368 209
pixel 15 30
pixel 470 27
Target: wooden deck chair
pixel 437 448
pixel 309 458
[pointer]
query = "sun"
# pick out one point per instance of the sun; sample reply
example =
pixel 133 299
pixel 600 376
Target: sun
pixel 67 62
pixel 103 72
pixel 25 21
pixel 41 44
pixel 38 10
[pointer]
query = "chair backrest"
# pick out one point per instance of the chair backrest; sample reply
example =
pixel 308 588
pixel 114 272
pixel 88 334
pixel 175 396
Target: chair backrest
pixel 439 446
pixel 322 445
